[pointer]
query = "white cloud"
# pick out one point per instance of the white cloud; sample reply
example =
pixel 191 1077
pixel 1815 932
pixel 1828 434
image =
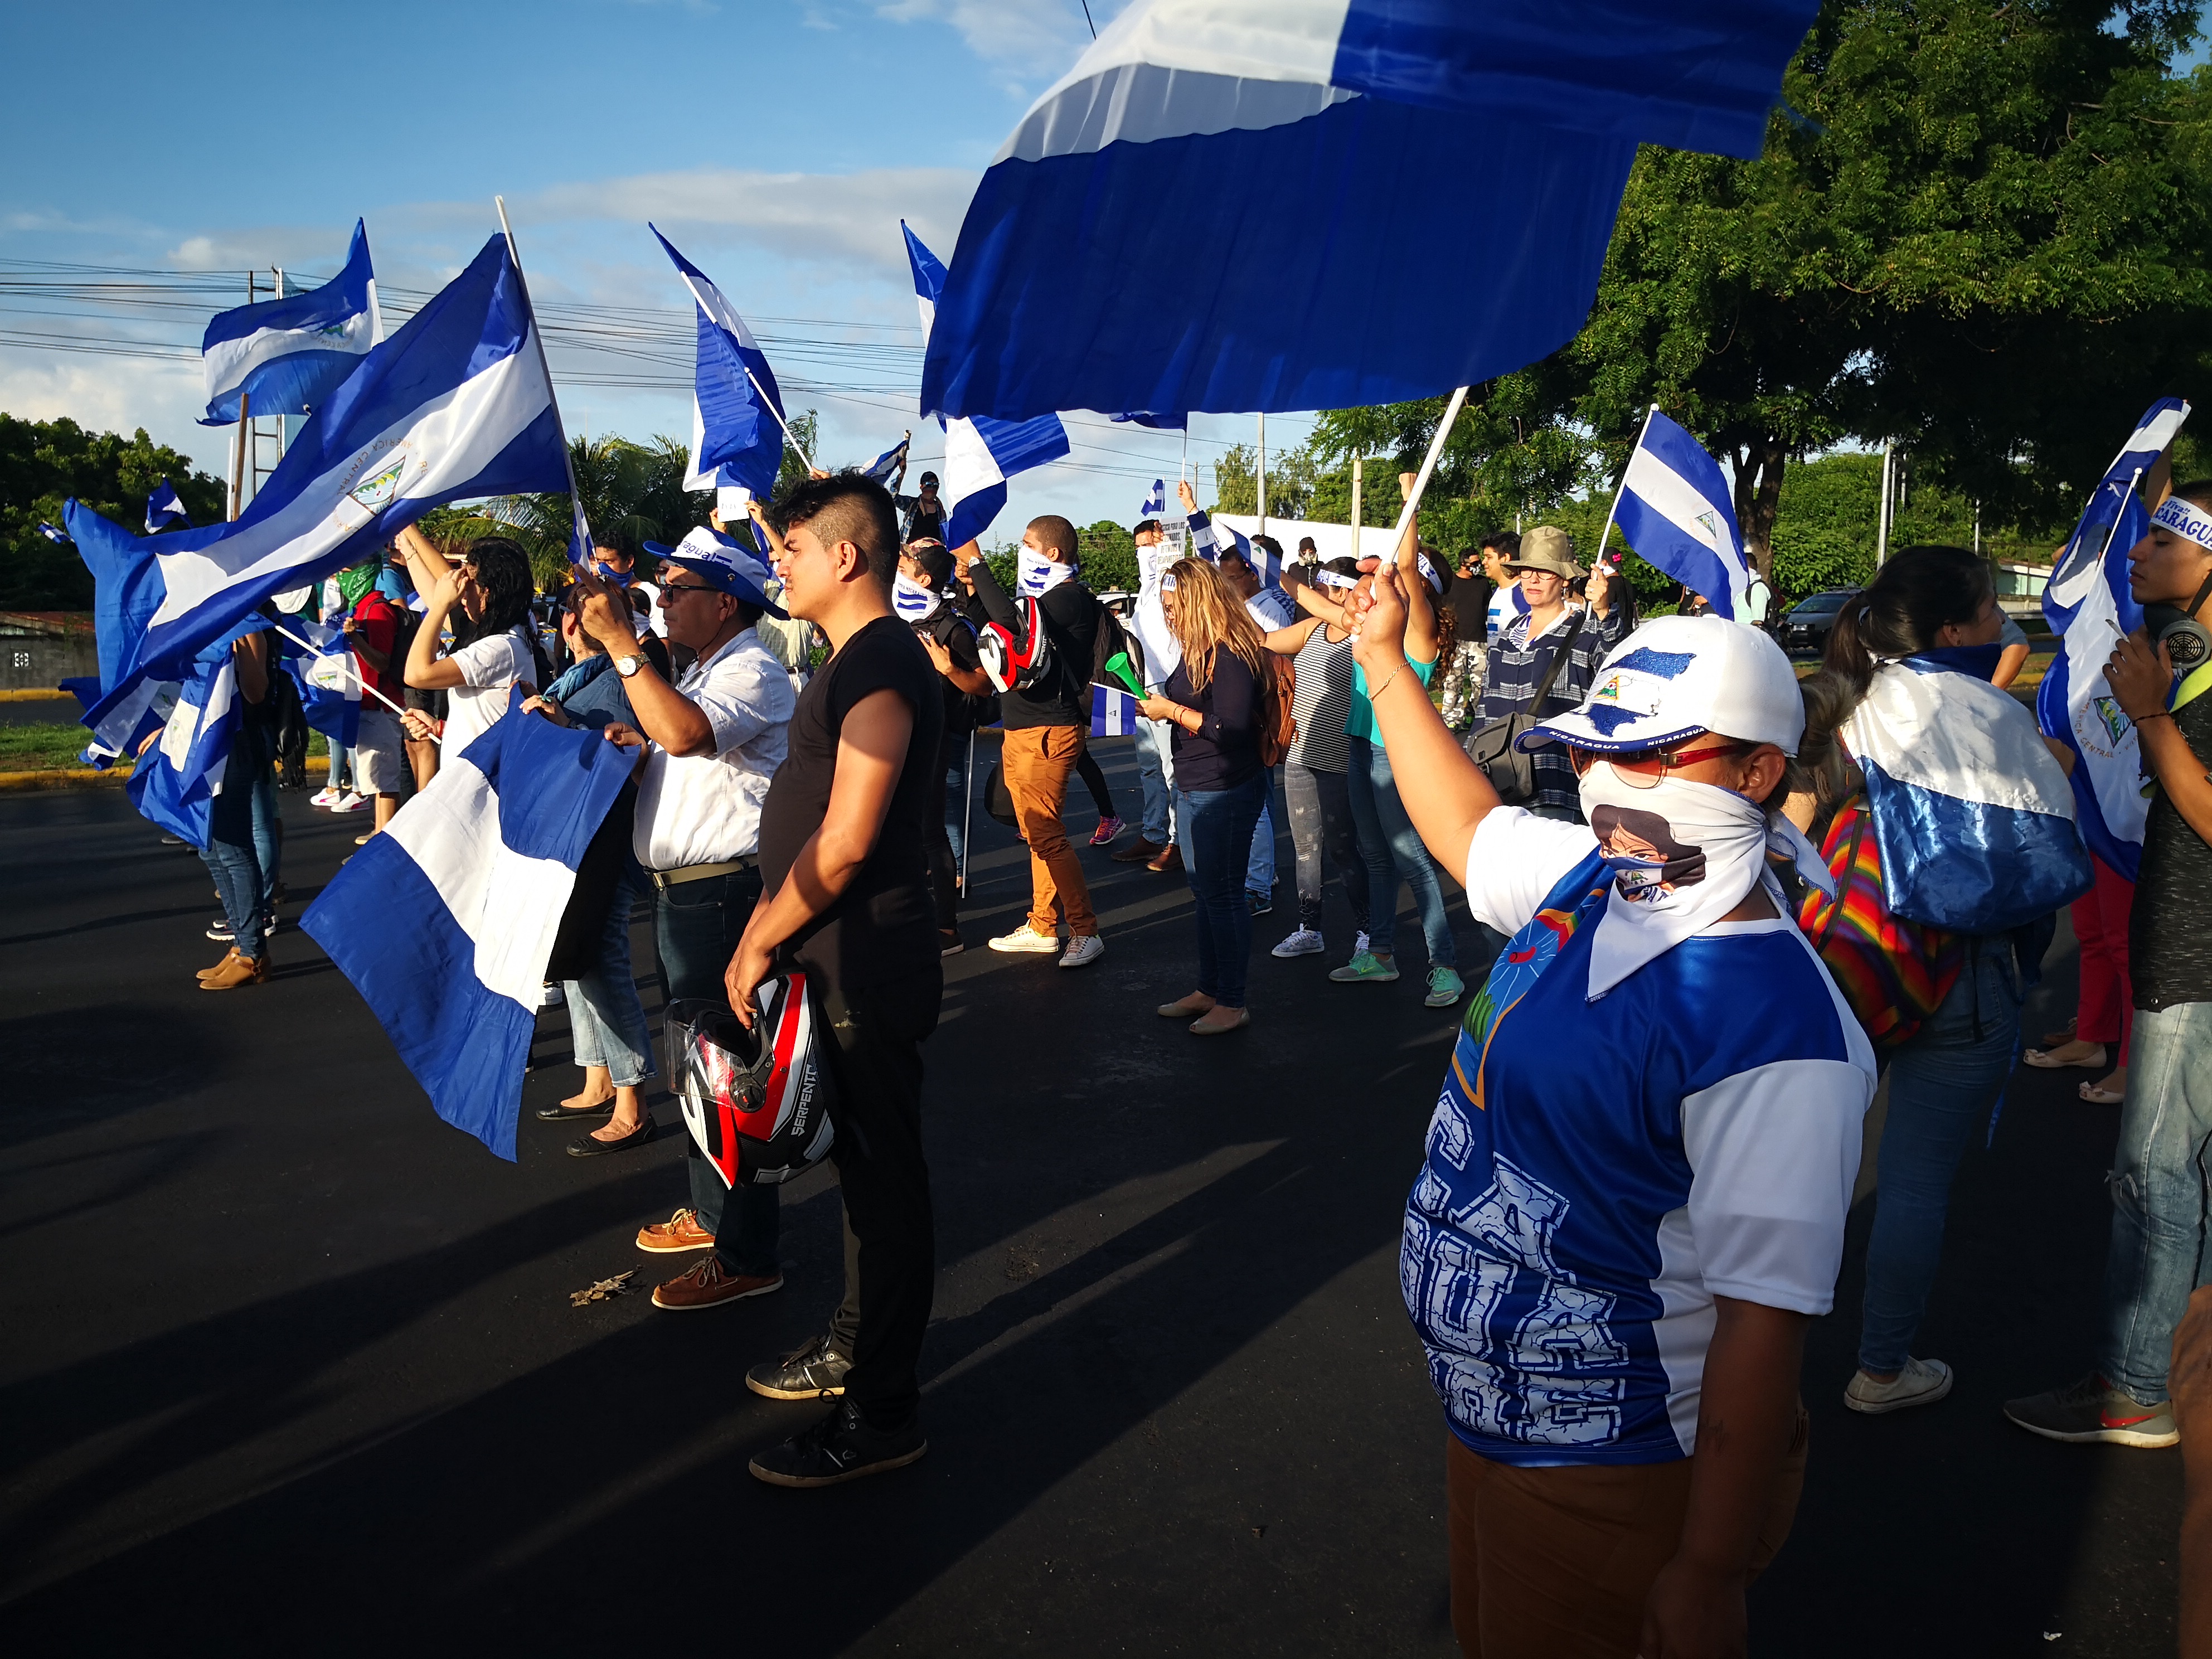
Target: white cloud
pixel 1035 37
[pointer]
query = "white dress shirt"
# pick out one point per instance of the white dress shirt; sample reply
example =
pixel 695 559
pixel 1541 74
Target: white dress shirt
pixel 705 809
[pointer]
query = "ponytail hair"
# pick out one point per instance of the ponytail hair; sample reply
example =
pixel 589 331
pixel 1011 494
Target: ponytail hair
pixel 1912 599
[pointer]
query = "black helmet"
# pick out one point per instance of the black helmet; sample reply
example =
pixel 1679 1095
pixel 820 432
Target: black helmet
pixel 756 1102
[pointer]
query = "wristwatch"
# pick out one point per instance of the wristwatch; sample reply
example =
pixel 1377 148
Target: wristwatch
pixel 626 666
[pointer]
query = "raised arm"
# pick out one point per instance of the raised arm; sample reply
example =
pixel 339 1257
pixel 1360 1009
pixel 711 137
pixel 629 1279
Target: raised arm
pixel 426 670
pixel 996 604
pixel 663 713
pixel 1289 642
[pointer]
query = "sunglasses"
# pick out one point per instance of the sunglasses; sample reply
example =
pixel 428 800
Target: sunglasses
pixel 666 588
pixel 1646 769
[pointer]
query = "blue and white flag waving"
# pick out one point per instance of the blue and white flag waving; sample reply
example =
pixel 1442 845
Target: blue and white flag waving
pixel 2088 606
pixel 121 708
pixel 736 442
pixel 1156 501
pixel 1210 538
pixel 289 354
pixel 1676 511
pixel 328 677
pixel 888 469
pixel 1157 422
pixel 1306 134
pixel 53 533
pixel 175 783
pixel 164 506
pixel 979 455
pixel 455 405
pixel 445 922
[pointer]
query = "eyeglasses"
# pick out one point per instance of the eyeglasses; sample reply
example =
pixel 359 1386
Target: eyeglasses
pixel 1646 769
pixel 666 588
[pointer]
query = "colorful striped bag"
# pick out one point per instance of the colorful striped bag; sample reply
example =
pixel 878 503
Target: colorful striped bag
pixel 1894 973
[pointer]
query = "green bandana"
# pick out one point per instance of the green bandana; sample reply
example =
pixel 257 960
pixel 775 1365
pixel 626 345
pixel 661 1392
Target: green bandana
pixel 353 583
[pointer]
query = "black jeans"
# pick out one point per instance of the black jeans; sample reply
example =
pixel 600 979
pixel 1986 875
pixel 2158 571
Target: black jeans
pixel 944 868
pixel 696 925
pixel 890 1234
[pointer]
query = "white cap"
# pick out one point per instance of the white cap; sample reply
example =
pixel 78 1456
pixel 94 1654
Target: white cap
pixel 1676 676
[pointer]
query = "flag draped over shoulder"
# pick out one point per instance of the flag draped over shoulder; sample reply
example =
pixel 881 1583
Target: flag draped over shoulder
pixel 287 355
pixel 455 405
pixel 979 455
pixel 1304 137
pixel 445 922
pixel 2088 607
pixel 1675 510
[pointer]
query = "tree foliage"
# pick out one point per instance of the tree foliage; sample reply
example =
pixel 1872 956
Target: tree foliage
pixel 42 465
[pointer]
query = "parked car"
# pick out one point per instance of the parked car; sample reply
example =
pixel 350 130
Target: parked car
pixel 1805 627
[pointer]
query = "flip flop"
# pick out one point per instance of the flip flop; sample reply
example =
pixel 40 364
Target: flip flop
pixel 2096 1096
pixel 2043 1062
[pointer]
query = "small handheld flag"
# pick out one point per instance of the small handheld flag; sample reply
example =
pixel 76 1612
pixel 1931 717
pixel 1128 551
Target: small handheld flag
pixel 162 507
pixel 52 534
pixel 1156 501
pixel 1113 712
pixel 1675 508
pixel 731 384
pixel 888 469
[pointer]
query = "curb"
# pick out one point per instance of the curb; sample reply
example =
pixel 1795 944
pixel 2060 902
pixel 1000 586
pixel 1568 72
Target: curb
pixel 34 695
pixel 84 777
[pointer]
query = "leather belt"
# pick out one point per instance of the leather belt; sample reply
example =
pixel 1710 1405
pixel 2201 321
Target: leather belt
pixel 665 879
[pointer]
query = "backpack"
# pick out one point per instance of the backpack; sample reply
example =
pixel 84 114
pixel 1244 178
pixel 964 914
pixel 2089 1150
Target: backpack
pixel 1894 973
pixel 1116 658
pixel 1278 725
pixel 1017 659
pixel 964 711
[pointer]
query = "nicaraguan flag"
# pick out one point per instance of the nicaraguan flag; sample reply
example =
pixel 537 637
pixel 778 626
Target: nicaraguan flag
pixel 888 468
pixel 175 783
pixel 162 505
pixel 979 455
pixel 328 677
pixel 1210 540
pixel 445 922
pixel 289 354
pixel 52 534
pixel 1156 501
pixel 1306 134
pixel 120 708
pixel 1675 510
pixel 1113 712
pixel 735 442
pixel 2088 607
pixel 455 405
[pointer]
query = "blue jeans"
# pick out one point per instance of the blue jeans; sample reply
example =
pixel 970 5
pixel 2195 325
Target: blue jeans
pixel 696 925
pixel 956 802
pixel 231 854
pixel 1260 872
pixel 1217 840
pixel 1156 771
pixel 1393 848
pixel 268 834
pixel 1941 1085
pixel 606 1017
pixel 2159 1186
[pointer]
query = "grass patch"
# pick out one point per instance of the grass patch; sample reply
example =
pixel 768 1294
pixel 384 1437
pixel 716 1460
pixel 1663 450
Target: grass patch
pixel 55 748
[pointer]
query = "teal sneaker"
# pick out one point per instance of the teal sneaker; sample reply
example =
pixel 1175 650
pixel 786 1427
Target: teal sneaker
pixel 1364 966
pixel 1446 987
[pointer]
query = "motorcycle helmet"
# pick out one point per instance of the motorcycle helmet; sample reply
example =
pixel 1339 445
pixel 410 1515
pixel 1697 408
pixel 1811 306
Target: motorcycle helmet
pixel 756 1102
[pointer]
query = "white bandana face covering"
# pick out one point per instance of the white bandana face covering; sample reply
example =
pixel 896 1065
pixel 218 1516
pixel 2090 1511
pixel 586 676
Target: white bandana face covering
pixel 1683 855
pixel 1040 575
pixel 910 598
pixel 1337 578
pixel 2185 519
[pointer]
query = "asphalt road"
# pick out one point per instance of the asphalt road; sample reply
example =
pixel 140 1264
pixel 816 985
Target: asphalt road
pixel 291 1366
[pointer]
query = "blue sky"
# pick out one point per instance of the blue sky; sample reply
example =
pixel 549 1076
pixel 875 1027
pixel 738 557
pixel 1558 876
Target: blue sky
pixel 776 142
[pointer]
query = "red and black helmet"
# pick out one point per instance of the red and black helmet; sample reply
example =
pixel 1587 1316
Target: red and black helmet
pixel 757 1101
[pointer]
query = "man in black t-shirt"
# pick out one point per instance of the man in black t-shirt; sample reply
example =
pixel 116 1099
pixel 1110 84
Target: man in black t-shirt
pixel 926 581
pixel 845 875
pixel 2159 1209
pixel 925 514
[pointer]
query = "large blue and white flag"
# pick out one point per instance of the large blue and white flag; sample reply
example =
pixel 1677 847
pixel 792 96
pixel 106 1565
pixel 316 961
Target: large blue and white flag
pixel 175 783
pixel 1305 136
pixel 455 405
pixel 126 588
pixel 289 354
pixel 979 455
pixel 888 469
pixel 737 408
pixel 320 661
pixel 163 506
pixel 445 922
pixel 1675 510
pixel 1113 711
pixel 2088 607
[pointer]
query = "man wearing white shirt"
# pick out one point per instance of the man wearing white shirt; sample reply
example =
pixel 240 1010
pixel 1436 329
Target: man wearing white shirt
pixel 711 744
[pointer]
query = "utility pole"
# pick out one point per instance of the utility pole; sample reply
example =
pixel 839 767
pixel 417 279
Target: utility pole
pixel 1261 475
pixel 1881 518
pixel 1355 506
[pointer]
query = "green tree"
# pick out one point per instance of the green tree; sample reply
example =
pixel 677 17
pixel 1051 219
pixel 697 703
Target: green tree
pixel 43 463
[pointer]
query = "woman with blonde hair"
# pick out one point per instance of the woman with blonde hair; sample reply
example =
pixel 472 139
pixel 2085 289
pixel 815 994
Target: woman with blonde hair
pixel 1217 702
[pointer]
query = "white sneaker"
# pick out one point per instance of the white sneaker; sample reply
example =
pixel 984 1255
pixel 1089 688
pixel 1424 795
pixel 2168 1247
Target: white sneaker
pixel 1303 943
pixel 549 997
pixel 348 802
pixel 1083 950
pixel 1026 938
pixel 323 797
pixel 1921 1382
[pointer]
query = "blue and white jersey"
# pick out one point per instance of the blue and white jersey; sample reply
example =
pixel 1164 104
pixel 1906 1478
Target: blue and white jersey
pixel 1598 1171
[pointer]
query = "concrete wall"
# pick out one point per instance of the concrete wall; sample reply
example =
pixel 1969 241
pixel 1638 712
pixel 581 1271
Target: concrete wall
pixel 31 662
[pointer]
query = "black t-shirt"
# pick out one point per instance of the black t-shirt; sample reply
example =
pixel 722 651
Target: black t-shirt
pixel 1070 623
pixel 882 926
pixel 950 629
pixel 923 518
pixel 2169 948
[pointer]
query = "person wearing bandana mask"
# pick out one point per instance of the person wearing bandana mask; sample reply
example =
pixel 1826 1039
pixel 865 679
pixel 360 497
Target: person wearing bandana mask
pixel 1637 1174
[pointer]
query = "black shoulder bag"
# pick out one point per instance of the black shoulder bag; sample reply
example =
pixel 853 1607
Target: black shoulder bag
pixel 1495 747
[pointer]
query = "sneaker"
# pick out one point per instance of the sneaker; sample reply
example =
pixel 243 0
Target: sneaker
pixel 1107 831
pixel 1364 966
pixel 1921 1382
pixel 949 942
pixel 680 1233
pixel 708 1284
pixel 548 996
pixel 1259 903
pixel 1303 943
pixel 221 932
pixel 841 1447
pixel 2093 1409
pixel 1083 950
pixel 1026 939
pixel 1446 987
pixel 323 797
pixel 816 1371
pixel 348 802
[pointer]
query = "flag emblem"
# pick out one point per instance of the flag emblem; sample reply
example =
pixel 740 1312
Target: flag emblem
pixel 1610 691
pixel 1711 525
pixel 375 493
pixel 2116 723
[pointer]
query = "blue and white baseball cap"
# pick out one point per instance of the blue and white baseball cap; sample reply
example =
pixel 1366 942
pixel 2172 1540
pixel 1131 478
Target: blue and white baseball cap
pixel 1676 676
pixel 731 567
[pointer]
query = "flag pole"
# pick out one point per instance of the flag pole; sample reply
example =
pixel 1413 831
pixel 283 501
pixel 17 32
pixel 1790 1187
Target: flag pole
pixel 538 334
pixel 968 808
pixel 1428 466
pixel 769 403
pixel 1623 484
pixel 309 646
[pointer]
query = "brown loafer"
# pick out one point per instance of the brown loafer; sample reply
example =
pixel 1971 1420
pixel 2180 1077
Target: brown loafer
pixel 237 971
pixel 1171 859
pixel 680 1233
pixel 1184 1007
pixel 708 1284
pixel 1143 853
pixel 1217 1021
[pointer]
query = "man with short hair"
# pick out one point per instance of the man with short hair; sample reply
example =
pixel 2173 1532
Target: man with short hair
pixel 1046 727
pixel 712 743
pixel 1467 602
pixel 614 562
pixel 843 855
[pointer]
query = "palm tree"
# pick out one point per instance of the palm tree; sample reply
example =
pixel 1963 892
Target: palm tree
pixel 614 479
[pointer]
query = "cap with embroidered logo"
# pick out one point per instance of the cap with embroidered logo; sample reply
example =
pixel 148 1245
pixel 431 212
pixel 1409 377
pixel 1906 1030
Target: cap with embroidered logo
pixel 1676 676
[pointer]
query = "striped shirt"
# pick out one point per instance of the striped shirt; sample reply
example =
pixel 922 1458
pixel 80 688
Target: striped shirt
pixel 1320 701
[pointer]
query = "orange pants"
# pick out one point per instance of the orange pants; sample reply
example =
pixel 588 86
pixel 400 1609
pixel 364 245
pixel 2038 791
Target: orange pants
pixel 1555 1563
pixel 1037 761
